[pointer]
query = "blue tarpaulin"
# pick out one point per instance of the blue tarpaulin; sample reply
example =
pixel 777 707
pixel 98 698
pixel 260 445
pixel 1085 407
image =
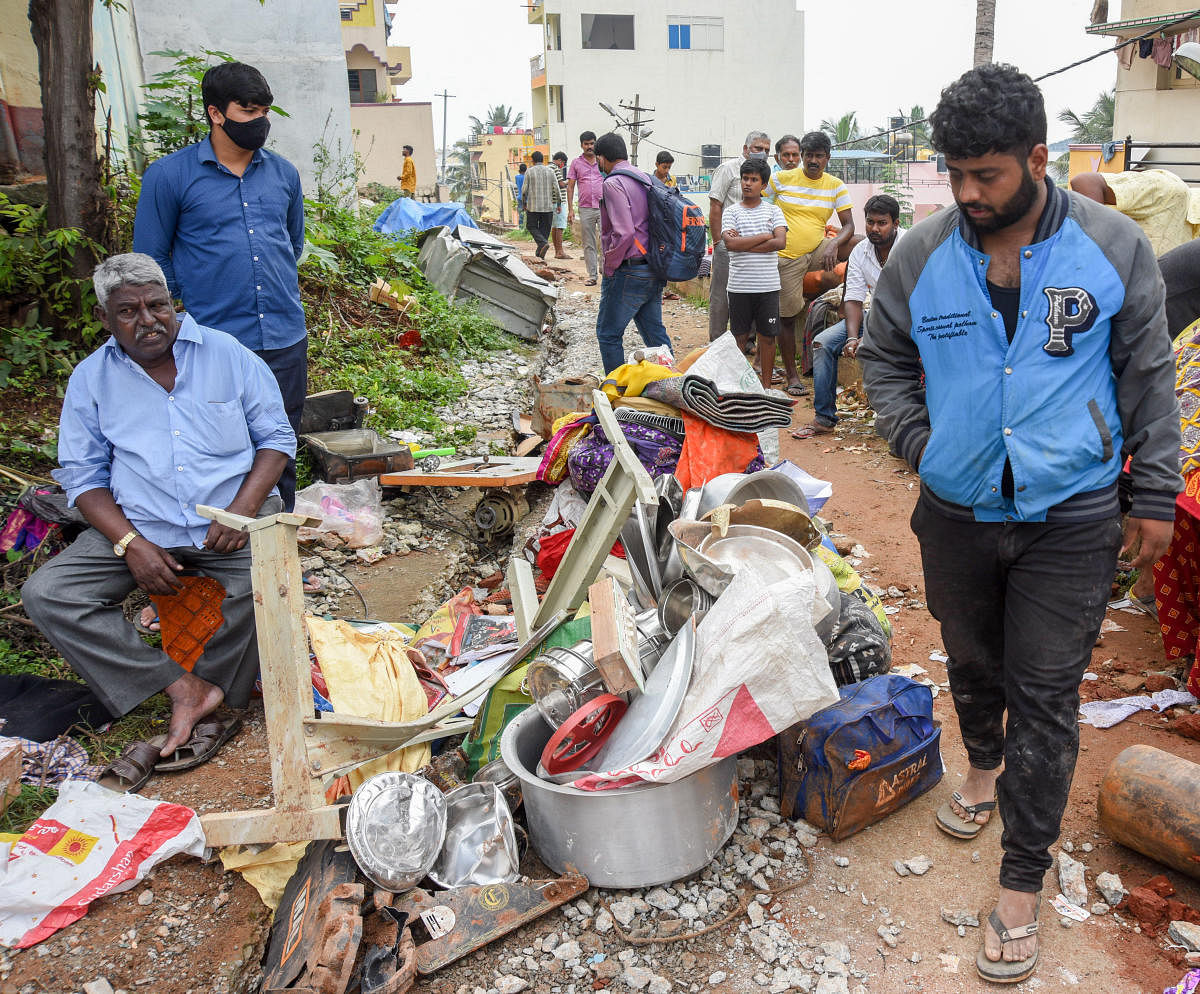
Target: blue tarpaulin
pixel 405 214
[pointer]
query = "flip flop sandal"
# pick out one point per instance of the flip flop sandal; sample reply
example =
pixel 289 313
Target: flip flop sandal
pixel 146 629
pixel 797 390
pixel 1147 605
pixel 950 822
pixel 128 773
pixel 589 282
pixel 206 739
pixel 1001 971
pixel 811 431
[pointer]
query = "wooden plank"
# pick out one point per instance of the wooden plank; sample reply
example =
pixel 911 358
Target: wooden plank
pixel 614 637
pixel 507 472
pixel 10 773
pixel 244 828
pixel 523 591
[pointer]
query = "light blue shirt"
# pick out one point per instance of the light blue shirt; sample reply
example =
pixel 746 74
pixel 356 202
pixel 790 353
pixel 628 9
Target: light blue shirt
pixel 163 453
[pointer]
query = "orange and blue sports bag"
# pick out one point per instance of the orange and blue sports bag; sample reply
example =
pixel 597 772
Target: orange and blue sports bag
pixel 857 761
pixel 678 233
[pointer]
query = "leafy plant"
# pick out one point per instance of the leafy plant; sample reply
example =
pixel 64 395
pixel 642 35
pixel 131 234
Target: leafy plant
pixel 38 292
pixel 175 116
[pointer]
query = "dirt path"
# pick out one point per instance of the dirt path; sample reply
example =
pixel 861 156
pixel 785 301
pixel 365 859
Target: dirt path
pixel 202 931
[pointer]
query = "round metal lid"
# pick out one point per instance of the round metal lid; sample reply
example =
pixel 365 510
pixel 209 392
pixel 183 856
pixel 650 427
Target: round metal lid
pixel 395 827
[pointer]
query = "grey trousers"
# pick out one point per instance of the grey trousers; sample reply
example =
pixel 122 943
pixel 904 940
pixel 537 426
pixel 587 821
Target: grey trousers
pixel 718 293
pixel 589 224
pixel 75 599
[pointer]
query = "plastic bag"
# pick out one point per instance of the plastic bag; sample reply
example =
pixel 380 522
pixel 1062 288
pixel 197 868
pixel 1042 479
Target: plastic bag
pixel 89 843
pixel 759 668
pixel 352 511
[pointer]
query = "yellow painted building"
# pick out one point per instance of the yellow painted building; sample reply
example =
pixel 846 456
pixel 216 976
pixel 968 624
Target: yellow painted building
pixel 383 124
pixel 495 159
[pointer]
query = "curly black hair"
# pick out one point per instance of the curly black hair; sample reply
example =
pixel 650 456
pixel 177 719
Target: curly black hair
pixel 991 108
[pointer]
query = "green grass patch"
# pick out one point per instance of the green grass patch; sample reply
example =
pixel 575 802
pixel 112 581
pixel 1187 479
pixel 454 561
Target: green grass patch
pixel 26 808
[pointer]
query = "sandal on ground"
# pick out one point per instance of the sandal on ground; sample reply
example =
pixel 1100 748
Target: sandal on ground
pixel 1002 971
pixel 128 773
pixel 313 584
pixel 151 627
pixel 207 737
pixel 1147 605
pixel 811 430
pixel 797 390
pixel 589 282
pixel 952 823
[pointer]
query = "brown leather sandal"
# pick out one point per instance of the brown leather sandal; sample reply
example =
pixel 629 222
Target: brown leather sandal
pixel 207 737
pixel 128 773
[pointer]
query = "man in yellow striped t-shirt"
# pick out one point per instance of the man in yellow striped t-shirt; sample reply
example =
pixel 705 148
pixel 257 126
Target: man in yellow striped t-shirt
pixel 808 197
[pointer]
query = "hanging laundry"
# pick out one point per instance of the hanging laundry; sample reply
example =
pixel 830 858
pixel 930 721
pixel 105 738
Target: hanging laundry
pixel 1164 49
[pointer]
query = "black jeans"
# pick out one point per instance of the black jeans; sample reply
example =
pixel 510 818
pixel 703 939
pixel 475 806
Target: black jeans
pixel 538 225
pixel 1020 606
pixel 290 366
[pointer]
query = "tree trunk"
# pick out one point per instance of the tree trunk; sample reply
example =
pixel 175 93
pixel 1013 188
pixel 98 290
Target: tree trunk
pixel 985 31
pixel 62 32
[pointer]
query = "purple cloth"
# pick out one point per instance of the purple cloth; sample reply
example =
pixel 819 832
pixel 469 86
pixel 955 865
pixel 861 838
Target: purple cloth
pixel 656 450
pixel 624 219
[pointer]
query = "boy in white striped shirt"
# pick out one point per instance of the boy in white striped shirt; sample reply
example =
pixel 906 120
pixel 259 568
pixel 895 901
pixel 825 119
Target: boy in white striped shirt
pixel 753 231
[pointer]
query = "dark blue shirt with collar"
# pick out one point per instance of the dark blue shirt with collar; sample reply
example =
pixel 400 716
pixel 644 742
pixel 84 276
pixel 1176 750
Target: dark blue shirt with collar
pixel 228 245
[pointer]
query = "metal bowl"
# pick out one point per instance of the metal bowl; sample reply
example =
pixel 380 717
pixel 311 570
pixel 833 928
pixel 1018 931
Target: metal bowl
pixel 498 773
pixel 767 484
pixel 680 601
pixel 395 827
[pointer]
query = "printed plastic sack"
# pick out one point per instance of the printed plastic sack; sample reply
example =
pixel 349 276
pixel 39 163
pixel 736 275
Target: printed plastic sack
pixel 352 511
pixel 89 843
pixel 759 668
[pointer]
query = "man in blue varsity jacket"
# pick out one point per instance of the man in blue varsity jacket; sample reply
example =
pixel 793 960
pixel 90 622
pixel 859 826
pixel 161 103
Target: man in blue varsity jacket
pixel 1036 317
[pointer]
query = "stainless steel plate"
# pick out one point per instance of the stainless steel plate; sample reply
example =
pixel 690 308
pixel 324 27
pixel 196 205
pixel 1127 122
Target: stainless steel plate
pixel 395 827
pixel 650 715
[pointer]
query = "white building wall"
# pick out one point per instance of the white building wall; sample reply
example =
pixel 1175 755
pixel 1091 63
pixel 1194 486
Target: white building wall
pixel 755 82
pixel 296 45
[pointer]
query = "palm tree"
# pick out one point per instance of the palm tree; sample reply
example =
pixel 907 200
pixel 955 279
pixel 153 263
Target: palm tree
pixel 846 131
pixel 1094 128
pixel 985 31
pixel 460 174
pixel 500 115
pixel 1096 125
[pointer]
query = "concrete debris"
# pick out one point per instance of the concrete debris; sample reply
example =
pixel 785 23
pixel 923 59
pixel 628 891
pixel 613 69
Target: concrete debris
pixel 1111 889
pixel 1186 934
pixel 1071 880
pixel 919 865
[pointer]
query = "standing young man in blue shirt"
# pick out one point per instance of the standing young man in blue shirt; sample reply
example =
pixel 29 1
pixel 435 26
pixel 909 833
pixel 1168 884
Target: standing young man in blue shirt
pixel 224 218
pixel 1017 352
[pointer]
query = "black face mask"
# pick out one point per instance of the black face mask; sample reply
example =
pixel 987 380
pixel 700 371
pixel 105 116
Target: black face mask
pixel 249 135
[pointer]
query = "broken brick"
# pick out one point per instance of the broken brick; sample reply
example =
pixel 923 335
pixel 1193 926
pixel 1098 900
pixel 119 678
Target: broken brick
pixel 1160 681
pixel 1147 907
pixel 1187 726
pixel 1160 885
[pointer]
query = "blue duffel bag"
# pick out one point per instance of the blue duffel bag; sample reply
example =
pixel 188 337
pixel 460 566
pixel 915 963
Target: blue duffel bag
pixel 859 760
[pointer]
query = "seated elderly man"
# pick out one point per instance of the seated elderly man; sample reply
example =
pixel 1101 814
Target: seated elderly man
pixel 163 416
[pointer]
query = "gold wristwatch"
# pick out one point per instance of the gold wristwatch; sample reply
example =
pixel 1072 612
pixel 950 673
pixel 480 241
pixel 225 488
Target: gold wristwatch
pixel 121 546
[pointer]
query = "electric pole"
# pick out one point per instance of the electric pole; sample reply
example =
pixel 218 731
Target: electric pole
pixel 635 126
pixel 446 97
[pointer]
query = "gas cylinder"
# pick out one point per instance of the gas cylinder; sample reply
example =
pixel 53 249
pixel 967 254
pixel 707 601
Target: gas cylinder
pixel 1149 802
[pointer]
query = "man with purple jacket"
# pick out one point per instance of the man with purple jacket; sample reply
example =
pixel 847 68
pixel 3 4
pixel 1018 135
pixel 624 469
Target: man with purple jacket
pixel 630 290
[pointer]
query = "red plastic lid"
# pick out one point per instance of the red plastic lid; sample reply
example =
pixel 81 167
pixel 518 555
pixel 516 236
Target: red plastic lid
pixel 580 737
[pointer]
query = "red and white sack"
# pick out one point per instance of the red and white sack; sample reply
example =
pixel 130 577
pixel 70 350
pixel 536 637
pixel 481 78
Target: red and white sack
pixel 90 842
pixel 759 668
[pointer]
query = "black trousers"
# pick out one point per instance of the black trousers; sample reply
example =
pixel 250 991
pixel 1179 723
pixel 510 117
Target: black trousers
pixel 290 366
pixel 1020 606
pixel 538 225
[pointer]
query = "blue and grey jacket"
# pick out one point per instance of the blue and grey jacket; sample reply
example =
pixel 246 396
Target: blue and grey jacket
pixel 1088 378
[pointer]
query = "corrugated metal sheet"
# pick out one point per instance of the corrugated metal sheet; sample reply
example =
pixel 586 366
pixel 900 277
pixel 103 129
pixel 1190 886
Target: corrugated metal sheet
pixel 506 289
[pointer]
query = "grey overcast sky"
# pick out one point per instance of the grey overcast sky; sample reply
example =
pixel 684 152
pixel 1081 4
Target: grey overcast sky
pixel 875 57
